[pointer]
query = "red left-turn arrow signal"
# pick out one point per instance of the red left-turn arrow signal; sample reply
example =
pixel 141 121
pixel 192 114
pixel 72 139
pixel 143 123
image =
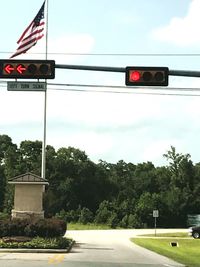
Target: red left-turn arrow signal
pixel 21 68
pixel 9 68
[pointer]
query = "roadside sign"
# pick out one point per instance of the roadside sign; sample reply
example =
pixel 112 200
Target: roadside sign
pixel 155 213
pixel 26 86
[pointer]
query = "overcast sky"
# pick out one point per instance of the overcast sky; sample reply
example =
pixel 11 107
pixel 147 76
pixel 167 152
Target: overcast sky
pixel 136 125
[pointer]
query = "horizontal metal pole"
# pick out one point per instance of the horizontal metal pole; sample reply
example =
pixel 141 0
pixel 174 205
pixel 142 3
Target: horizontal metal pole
pixel 186 73
pixel 93 68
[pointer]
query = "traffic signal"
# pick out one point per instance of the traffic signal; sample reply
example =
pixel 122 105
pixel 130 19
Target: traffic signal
pixel 147 76
pixel 27 69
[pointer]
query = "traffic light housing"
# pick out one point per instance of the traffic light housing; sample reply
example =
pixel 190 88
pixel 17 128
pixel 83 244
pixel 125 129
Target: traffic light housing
pixel 27 69
pixel 147 76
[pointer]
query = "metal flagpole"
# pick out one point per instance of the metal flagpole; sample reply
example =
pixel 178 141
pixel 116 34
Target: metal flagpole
pixel 43 169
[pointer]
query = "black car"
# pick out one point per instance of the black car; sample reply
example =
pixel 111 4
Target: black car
pixel 194 231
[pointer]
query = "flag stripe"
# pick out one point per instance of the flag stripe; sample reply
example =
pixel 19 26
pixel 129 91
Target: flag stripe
pixel 24 33
pixel 32 40
pixel 26 47
pixel 32 34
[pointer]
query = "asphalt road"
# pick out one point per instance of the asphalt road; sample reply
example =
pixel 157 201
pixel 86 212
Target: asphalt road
pixel 102 248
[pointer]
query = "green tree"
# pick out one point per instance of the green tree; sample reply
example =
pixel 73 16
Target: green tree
pixel 2 187
pixel 8 169
pixel 195 201
pixel 134 221
pixel 30 157
pixel 175 160
pixel 144 180
pixel 86 216
pixel 145 206
pixel 103 213
pixel 180 195
pixel 5 143
pixel 8 156
pixel 75 181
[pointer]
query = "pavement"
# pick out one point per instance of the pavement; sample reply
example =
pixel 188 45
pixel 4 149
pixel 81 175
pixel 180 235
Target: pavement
pixel 115 246
pixel 96 246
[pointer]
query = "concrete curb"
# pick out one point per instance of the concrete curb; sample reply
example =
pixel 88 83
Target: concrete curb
pixel 35 250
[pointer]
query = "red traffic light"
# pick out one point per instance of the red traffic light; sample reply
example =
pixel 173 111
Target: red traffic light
pixel 147 76
pixel 9 68
pixel 27 69
pixel 21 68
pixel 135 75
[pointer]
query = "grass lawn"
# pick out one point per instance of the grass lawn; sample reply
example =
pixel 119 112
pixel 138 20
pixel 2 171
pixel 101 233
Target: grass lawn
pixel 169 235
pixel 187 252
pixel 90 226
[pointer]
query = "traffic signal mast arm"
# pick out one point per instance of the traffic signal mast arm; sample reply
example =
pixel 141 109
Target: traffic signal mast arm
pixel 184 73
pixel 45 69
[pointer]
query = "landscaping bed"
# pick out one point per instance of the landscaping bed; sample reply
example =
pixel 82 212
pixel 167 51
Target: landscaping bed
pixel 37 234
pixel 37 243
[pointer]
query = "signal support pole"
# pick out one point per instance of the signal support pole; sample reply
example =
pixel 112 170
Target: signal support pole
pixel 43 167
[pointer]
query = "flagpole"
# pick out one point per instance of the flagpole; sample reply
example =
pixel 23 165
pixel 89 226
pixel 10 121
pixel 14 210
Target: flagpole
pixel 43 168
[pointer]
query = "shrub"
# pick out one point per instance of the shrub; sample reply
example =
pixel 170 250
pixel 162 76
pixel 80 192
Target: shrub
pixel 12 227
pixel 103 215
pixel 134 222
pixel 86 216
pixel 113 220
pixel 39 242
pixel 4 215
pixel 124 221
pixel 69 216
pixel 41 228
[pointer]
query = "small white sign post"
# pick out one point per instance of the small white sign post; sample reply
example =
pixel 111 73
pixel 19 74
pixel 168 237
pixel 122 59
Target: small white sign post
pixel 155 215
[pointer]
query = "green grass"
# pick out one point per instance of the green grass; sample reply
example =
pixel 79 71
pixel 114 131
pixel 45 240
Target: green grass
pixel 90 226
pixel 187 251
pixel 179 234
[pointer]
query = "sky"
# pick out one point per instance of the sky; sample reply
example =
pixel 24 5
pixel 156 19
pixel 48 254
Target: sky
pixel 108 123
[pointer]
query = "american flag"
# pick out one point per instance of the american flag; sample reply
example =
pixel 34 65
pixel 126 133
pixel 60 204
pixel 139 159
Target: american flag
pixel 32 33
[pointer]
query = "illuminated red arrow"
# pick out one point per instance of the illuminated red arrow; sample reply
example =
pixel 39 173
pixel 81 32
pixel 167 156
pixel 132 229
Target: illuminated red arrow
pixel 21 68
pixel 9 68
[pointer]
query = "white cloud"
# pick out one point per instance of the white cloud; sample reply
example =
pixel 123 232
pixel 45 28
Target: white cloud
pixel 182 31
pixel 76 43
pixel 155 150
pixel 100 109
pixel 21 107
pixel 95 144
pixel 125 19
pixel 106 126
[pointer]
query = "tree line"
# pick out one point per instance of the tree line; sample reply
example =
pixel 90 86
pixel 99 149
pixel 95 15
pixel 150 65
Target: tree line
pixel 121 194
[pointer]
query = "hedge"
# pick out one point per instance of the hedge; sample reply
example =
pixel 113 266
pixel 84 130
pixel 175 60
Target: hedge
pixel 41 227
pixel 39 243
